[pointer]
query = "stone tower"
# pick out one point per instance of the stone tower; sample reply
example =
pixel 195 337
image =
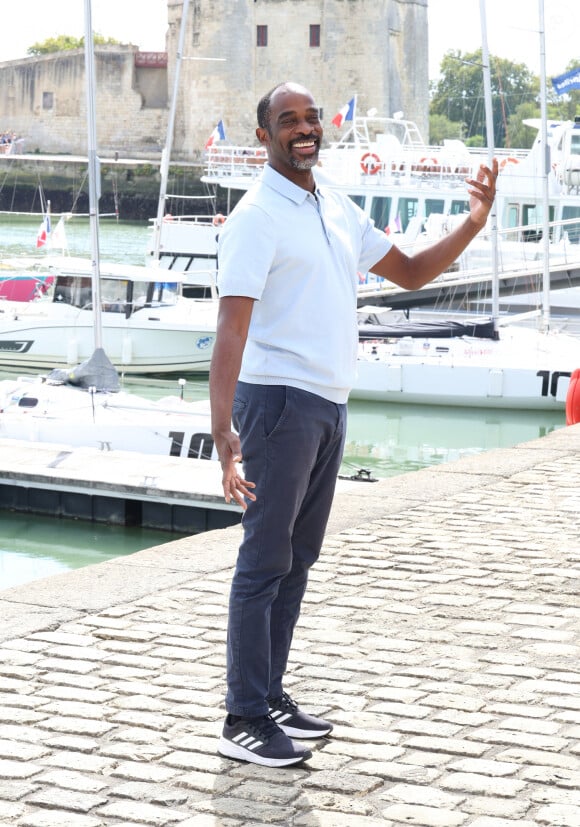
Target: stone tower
pixel 235 50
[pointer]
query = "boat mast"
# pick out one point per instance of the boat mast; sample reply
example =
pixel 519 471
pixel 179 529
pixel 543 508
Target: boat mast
pixel 165 154
pixel 94 175
pixel 490 153
pixel 545 176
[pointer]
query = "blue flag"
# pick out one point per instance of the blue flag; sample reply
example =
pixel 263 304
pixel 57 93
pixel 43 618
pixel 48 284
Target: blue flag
pixel 564 83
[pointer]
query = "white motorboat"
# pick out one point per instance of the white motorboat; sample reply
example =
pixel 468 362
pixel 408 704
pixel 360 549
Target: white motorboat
pixel 137 315
pixel 148 327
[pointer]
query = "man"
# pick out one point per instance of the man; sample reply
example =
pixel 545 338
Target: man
pixel 283 365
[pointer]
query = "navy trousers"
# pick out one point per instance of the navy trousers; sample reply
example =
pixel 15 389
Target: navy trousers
pixel 292 445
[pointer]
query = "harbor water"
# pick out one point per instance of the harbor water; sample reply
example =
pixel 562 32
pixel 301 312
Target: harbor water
pixel 383 439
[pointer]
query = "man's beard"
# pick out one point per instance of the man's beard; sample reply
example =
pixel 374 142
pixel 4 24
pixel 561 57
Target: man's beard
pixel 304 164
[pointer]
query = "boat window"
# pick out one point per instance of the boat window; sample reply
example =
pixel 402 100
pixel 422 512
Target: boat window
pixel 142 294
pixel 459 207
pixel 165 292
pixel 153 294
pixel 113 295
pixel 434 205
pixel 74 290
pixel 575 145
pixel 573 230
pixel 380 210
pixel 512 220
pixel 359 200
pixel 408 209
pixel 533 216
pixel 27 402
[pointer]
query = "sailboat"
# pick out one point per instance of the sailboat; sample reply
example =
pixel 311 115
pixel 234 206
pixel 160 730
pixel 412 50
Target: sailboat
pixel 84 406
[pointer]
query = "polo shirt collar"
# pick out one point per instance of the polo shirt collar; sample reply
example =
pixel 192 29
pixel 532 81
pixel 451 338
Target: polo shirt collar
pixel 284 186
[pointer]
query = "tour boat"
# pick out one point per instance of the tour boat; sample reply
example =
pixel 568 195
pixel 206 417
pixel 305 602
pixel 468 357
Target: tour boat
pixel 417 193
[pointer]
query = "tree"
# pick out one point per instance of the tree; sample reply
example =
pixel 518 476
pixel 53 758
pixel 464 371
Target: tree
pixel 65 43
pixel 459 92
pixel 523 136
pixel 440 127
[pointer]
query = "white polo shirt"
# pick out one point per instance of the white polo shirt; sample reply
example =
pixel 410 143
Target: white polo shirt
pixel 298 255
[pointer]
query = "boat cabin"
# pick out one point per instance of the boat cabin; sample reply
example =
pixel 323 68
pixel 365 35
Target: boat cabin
pixel 118 295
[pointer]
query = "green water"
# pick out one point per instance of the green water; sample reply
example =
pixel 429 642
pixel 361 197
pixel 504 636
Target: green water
pixel 119 241
pixel 385 439
pixel 35 547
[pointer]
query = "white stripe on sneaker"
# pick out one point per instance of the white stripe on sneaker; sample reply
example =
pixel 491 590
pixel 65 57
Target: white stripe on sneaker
pixel 248 741
pixel 280 716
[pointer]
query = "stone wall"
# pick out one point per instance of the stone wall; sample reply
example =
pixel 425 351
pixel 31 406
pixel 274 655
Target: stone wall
pixel 43 99
pixel 376 49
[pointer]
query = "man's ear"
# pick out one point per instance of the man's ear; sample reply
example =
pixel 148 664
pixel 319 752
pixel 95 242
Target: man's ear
pixel 262 135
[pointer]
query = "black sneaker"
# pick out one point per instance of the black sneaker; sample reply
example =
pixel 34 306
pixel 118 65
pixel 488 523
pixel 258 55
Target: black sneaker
pixel 260 741
pixel 294 722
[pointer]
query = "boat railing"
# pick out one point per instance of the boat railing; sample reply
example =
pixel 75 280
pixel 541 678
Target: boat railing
pixel 516 256
pixel 387 161
pixel 234 161
pixel 365 131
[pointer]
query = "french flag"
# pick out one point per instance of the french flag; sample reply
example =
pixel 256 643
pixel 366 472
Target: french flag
pixel 345 114
pixel 43 232
pixel 219 134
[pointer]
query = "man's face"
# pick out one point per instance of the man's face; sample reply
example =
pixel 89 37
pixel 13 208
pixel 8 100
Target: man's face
pixel 294 134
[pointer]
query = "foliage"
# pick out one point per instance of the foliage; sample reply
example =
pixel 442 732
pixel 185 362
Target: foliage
pixel 65 43
pixel 457 101
pixel 518 134
pixel 459 92
pixel 440 127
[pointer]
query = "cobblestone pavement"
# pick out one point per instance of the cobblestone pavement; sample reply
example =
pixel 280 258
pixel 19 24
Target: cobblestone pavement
pixel 441 634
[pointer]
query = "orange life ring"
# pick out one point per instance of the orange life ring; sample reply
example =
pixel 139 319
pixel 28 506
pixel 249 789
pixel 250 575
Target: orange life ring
pixel 370 163
pixel 573 399
pixel 432 162
pixel 218 220
pixel 503 164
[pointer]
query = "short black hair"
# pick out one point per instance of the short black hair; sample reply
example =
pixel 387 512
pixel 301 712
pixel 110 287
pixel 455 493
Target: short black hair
pixel 265 102
pixel 264 107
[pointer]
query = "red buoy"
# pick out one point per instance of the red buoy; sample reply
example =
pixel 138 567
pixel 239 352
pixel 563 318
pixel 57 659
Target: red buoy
pixel 573 399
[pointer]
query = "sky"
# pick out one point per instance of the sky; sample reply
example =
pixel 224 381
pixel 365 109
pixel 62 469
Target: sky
pixel 512 27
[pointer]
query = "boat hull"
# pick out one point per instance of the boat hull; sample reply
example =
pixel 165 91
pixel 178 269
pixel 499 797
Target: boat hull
pixel 524 369
pixel 34 411
pixel 30 341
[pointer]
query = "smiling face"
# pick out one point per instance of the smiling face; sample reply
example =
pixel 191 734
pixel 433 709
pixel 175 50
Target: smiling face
pixel 293 134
